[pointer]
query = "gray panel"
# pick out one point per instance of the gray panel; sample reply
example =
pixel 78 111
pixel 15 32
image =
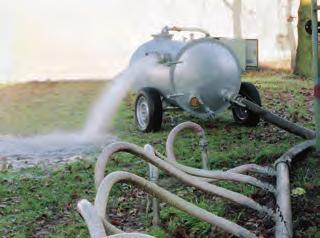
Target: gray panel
pixel 252 61
pixel 239 48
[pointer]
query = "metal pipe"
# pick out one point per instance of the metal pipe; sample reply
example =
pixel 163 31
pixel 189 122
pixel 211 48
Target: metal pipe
pixel 176 173
pixel 204 150
pixel 284 215
pixel 294 151
pixel 242 169
pixel 95 223
pixel 153 177
pixel 253 168
pixel 90 215
pixel 198 130
pixel 107 183
pixel 216 174
pixel 227 176
pixel 191 29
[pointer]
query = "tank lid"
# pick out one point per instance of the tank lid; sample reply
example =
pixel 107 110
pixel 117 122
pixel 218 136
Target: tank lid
pixel 164 34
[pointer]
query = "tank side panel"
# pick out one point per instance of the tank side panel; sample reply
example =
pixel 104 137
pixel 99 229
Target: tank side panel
pixel 208 70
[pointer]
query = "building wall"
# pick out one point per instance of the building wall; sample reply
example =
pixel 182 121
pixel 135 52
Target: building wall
pixel 81 39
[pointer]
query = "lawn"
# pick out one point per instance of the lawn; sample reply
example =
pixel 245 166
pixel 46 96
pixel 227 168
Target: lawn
pixel 38 203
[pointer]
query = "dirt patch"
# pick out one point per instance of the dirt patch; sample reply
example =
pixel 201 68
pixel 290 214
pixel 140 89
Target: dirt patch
pixel 48 150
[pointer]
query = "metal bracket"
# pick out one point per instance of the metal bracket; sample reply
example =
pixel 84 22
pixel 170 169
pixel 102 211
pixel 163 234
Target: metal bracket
pixel 175 95
pixel 174 63
pixel 286 159
pixel 237 99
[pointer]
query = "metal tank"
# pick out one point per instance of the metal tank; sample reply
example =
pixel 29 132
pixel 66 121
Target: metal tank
pixel 198 75
pixel 165 48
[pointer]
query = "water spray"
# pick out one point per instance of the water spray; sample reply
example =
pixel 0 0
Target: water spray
pixel 60 147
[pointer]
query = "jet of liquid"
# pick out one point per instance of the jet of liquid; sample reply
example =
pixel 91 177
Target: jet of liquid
pixel 102 112
pixel 57 147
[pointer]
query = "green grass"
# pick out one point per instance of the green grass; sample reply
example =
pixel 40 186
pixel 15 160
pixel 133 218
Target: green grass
pixel 33 200
pixel 43 203
pixel 42 107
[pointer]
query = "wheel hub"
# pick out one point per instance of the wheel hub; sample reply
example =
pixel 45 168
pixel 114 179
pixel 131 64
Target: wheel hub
pixel 142 112
pixel 242 113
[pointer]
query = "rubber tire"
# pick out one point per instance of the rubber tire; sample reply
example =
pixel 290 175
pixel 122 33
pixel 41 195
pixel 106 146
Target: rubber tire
pixel 154 102
pixel 250 92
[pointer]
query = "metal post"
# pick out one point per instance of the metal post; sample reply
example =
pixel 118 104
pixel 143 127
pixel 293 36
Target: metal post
pixel 154 177
pixel 316 75
pixel 284 216
pixel 284 227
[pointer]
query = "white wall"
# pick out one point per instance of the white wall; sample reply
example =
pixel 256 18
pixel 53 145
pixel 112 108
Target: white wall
pixel 76 39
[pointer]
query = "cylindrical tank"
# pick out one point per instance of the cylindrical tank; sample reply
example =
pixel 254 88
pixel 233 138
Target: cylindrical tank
pixel 164 47
pixel 197 74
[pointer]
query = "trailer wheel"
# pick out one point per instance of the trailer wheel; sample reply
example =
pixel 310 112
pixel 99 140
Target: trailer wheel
pixel 148 110
pixel 242 115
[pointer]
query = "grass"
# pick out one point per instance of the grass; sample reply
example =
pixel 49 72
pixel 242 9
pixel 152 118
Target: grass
pixel 42 107
pixel 41 203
